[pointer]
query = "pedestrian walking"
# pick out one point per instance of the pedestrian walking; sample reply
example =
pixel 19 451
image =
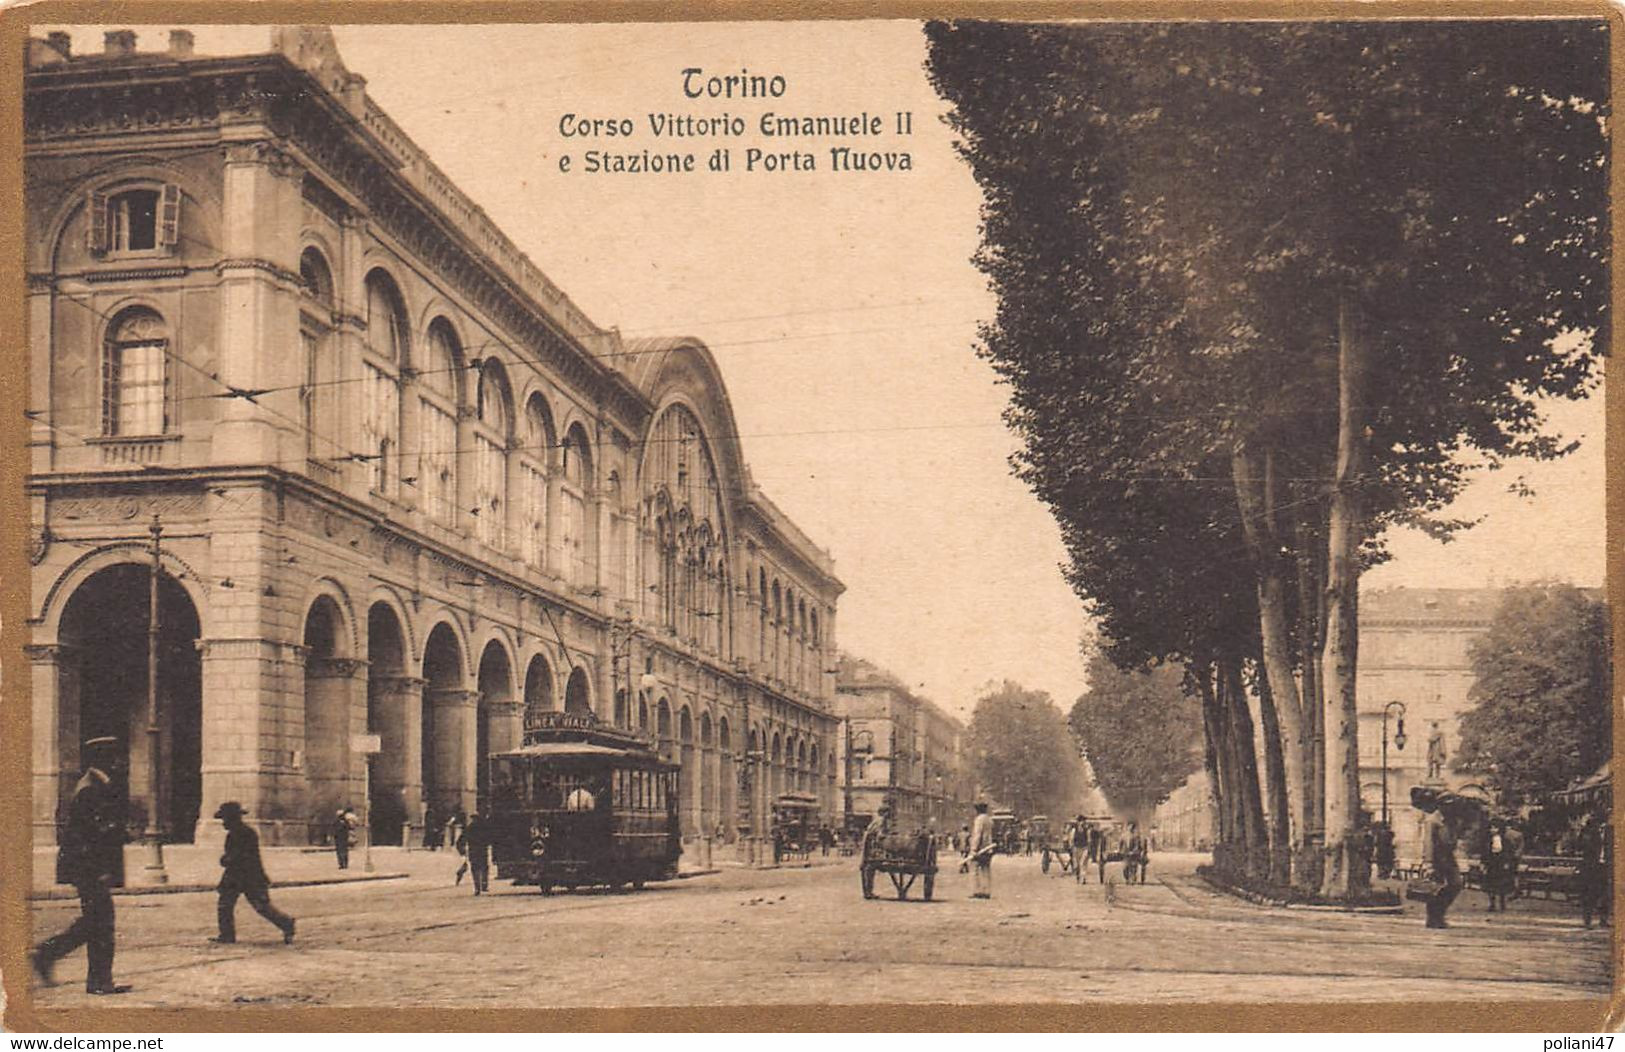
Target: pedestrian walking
pixel 341 838
pixel 1136 856
pixel 455 823
pixel 1596 868
pixel 1439 851
pixel 1385 850
pixel 982 847
pixel 964 841
pixel 1080 849
pixel 476 847
pixel 432 831
pixel 90 856
pixel 244 874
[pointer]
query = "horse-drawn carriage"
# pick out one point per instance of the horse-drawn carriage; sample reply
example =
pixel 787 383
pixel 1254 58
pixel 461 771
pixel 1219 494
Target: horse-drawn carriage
pixel 904 857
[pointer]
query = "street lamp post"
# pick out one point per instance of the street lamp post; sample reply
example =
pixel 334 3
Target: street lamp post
pixel 154 836
pixel 1399 743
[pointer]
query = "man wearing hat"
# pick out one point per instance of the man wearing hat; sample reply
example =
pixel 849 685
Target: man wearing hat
pixel 90 856
pixel 244 875
pixel 981 852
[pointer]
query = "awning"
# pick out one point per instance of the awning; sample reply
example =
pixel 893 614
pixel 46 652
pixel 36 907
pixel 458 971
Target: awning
pixel 1595 782
pixel 569 749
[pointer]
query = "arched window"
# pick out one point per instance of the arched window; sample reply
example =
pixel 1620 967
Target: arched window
pixel 381 406
pixel 537 448
pixel 437 432
pixel 494 427
pixel 577 528
pixel 135 374
pixel 316 394
pixel 761 610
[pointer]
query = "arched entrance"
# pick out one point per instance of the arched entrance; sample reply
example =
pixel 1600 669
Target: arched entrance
pixel 393 703
pixel 538 689
pixel 449 727
pixel 329 676
pixel 663 728
pixel 726 781
pixel 103 691
pixel 498 726
pixel 689 775
pixel 577 698
pixel 708 776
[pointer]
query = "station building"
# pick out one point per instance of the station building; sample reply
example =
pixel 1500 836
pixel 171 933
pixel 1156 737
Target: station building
pixel 394 481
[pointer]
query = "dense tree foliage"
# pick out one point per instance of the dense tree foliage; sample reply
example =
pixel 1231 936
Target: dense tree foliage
pixel 1543 679
pixel 1022 752
pixel 1260 285
pixel 1141 732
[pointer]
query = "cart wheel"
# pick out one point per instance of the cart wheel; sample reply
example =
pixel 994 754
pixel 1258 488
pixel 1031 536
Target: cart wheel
pixel 930 883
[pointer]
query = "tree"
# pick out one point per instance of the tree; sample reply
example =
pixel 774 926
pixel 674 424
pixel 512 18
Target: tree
pixel 1141 732
pixel 1315 260
pixel 1022 751
pixel 1543 677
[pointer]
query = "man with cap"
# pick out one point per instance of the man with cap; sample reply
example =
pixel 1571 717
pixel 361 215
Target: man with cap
pixel 244 874
pixel 341 837
pixel 90 856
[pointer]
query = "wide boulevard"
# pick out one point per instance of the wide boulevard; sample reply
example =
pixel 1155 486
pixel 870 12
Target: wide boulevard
pixel 805 935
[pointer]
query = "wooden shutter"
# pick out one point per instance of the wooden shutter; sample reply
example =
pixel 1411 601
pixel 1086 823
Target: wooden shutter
pixel 96 232
pixel 169 216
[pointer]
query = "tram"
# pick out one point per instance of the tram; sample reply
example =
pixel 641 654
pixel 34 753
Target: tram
pixel 581 804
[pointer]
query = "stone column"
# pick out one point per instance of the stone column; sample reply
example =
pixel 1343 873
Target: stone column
pixel 243 721
pixel 335 689
pixel 259 329
pixel 507 724
pixel 397 772
pixel 55 754
pixel 455 746
pixel 41 437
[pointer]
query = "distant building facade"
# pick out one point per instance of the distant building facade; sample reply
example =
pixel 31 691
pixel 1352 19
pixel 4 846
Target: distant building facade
pixel 899 747
pixel 1413 651
pixel 402 484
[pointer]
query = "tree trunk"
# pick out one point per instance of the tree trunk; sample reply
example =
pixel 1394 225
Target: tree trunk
pixel 1344 875
pixel 1256 500
pixel 1275 782
pixel 1219 770
pixel 1249 802
pixel 1311 552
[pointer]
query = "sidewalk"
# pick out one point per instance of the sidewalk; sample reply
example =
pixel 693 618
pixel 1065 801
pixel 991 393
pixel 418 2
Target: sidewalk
pixel 194 868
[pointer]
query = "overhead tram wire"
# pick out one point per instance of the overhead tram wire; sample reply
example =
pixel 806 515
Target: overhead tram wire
pixel 253 396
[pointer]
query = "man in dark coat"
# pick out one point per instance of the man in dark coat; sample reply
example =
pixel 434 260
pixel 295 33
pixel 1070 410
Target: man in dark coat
pixel 244 874
pixel 90 856
pixel 341 838
pixel 476 843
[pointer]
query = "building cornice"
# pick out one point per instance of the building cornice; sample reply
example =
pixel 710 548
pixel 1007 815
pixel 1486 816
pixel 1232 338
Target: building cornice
pixel 376 164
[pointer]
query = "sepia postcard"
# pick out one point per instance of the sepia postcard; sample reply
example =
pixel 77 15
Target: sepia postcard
pixel 1083 519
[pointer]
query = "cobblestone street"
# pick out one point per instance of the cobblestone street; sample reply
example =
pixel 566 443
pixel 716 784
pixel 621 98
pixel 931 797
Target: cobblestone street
pixel 805 935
